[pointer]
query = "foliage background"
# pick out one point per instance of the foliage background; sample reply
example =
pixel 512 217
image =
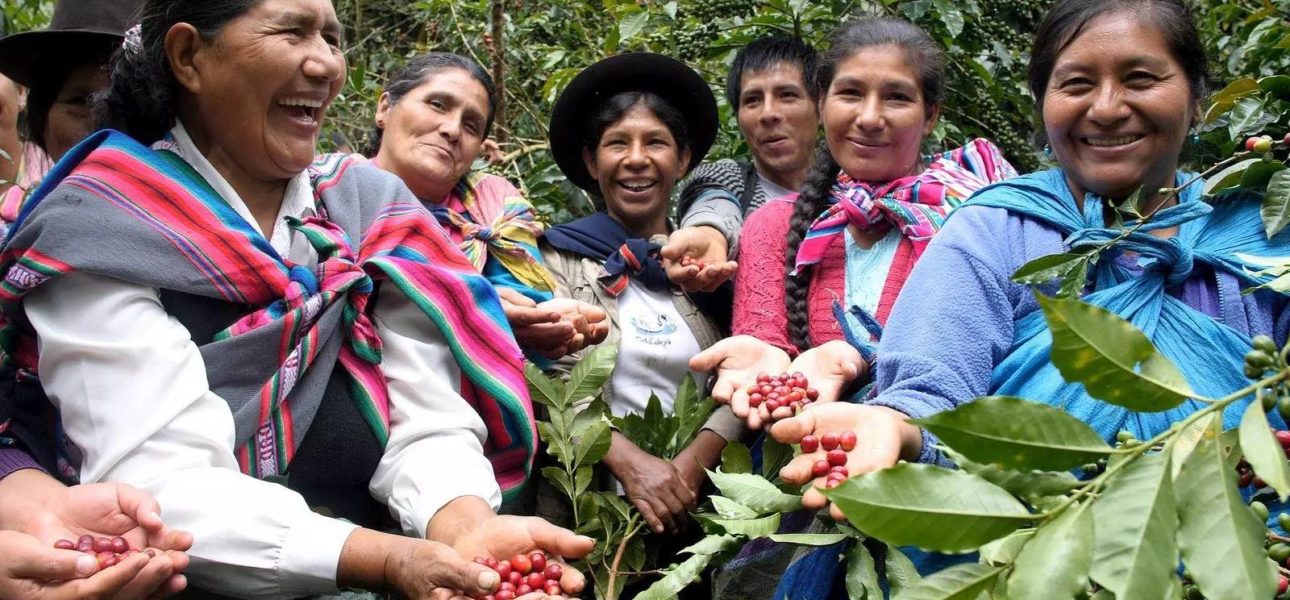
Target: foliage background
pixel 537 47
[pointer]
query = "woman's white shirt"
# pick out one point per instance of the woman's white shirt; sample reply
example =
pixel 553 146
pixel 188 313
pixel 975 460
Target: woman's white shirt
pixel 132 389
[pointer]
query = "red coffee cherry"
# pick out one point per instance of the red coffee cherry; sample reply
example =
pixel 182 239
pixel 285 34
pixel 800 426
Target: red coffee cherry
pixel 837 458
pixel 829 441
pixel 810 444
pixel 847 440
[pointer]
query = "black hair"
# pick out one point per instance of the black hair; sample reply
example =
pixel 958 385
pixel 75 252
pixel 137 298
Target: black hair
pixel 767 52
pixel 928 61
pixel 418 68
pixel 47 84
pixel 142 98
pixel 613 108
pixel 1066 20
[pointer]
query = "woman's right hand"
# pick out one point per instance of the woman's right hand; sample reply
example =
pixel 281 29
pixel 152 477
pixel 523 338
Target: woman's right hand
pixel 35 570
pixel 540 330
pixel 883 435
pixel 702 244
pixel 426 570
pixel 737 361
pixel 651 484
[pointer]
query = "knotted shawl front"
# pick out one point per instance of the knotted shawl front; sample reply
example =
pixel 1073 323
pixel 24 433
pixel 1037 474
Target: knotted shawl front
pixel 1209 353
pixel 599 237
pixel 119 209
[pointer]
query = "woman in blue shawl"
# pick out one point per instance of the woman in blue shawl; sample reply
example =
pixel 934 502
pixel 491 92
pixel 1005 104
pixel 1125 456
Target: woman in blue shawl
pixel 1119 84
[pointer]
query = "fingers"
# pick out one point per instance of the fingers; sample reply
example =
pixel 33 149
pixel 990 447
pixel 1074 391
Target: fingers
pixel 572 580
pixel 647 512
pixel 711 358
pixel 676 247
pixel 29 559
pixel 447 569
pixel 117 581
pixel 140 506
pixel 791 430
pixel 558 540
pixel 151 578
pixel 514 297
pixel 520 316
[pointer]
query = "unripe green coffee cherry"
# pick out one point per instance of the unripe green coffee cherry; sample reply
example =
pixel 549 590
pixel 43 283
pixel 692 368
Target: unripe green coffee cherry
pixel 1254 372
pixel 1283 408
pixel 1283 520
pixel 1259 358
pixel 1279 552
pixel 1260 510
pixel 1192 592
pixel 1265 344
pixel 1267 398
pixel 1263 144
pixel 1123 436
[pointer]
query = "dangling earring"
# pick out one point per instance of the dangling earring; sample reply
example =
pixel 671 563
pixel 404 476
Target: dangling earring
pixel 1048 151
pixel 1195 138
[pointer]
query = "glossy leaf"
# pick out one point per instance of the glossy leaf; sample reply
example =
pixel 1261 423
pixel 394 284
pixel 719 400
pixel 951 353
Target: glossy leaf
pixel 809 539
pixel 1135 521
pixel 1248 116
pixel 1220 538
pixel 1031 485
pixel 1229 177
pixel 754 492
pixel 631 25
pixel 930 507
pixel 676 578
pixel 900 571
pixel 1046 268
pixel 736 458
pixel 543 389
pixel 590 374
pixel 1185 441
pixel 753 528
pixel 1112 358
pixel 1263 451
pixel 729 509
pixel 714 544
pixel 959 582
pixel 1005 549
pixel 862 574
pixel 1276 203
pixel 593 444
pixel 1017 434
pixel 774 455
pixel 1055 562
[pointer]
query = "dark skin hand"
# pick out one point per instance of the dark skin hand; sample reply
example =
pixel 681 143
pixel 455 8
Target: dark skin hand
pixel 654 486
pixel 554 328
pixel 700 243
pixel 703 453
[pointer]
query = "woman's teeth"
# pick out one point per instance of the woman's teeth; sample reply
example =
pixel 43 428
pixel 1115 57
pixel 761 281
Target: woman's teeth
pixel 1112 141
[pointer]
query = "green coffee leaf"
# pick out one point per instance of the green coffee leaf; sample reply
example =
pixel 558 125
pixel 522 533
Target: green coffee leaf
pixel 581 481
pixel 1229 177
pixel 714 544
pixel 594 412
pixel 729 509
pixel 862 574
pixel 1135 521
pixel 959 582
pixel 593 444
pixel 774 455
pixel 754 492
pixel 1017 434
pixel 736 458
pixel 632 24
pixel 1055 562
pixel 1046 268
pixel 1112 358
pixel 1276 203
pixel 676 578
pixel 1185 441
pixel 753 528
pixel 543 389
pixel 1220 538
pixel 1263 451
pixel 1248 116
pixel 809 539
pixel 1031 485
pixel 1005 549
pixel 930 507
pixel 559 479
pixel 590 374
pixel 901 573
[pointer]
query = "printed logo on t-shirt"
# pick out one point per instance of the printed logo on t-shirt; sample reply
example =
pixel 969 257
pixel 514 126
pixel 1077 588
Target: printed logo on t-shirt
pixel 654 332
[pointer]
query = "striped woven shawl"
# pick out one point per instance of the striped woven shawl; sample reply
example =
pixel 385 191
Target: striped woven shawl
pixel 122 210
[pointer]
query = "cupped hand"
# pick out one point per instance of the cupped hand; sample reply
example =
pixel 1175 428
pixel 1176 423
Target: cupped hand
pixel 829 368
pixel 503 536
pixel 883 436
pixel 703 245
pixel 737 361
pixel 539 330
pixel 34 569
pixel 590 323
pixel 435 571
pixel 653 485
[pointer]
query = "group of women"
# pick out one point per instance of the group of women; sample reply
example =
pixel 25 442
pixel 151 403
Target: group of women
pixel 297 358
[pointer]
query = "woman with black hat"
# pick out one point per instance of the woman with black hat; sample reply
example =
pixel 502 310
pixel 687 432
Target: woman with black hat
pixel 62 67
pixel 625 130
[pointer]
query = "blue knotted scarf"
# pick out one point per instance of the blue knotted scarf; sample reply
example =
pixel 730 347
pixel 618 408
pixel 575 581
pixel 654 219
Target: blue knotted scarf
pixel 599 237
pixel 1208 352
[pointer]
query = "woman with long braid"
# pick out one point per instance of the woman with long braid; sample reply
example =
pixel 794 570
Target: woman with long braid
pixel 836 256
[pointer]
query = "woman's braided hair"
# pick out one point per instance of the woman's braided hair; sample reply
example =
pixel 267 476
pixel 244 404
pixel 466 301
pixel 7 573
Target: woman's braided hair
pixel 928 61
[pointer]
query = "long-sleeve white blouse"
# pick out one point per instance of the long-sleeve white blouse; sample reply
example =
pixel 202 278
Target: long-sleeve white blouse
pixel 132 389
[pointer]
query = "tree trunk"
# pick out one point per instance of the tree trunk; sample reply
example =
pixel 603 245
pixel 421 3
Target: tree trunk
pixel 499 68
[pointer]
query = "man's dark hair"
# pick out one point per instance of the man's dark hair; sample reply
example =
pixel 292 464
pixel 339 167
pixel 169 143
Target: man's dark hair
pixel 768 52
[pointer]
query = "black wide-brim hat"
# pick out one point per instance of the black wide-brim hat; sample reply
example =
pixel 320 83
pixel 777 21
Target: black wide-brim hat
pixel 77 29
pixel 667 77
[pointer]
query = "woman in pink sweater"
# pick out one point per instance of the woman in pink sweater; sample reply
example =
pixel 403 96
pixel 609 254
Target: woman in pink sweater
pixel 866 212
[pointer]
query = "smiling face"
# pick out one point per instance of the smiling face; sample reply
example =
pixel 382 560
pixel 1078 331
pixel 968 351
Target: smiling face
pixel 874 115
pixel 257 92
pixel 637 163
pixel 779 120
pixel 434 132
pixel 1117 108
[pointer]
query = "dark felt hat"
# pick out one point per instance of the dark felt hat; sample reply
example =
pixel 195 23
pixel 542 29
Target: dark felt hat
pixel 77 28
pixel 669 78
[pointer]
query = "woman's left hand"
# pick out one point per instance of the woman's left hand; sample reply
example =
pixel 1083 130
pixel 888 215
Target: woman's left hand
pixel 36 570
pixel 109 510
pixel 504 536
pixel 829 368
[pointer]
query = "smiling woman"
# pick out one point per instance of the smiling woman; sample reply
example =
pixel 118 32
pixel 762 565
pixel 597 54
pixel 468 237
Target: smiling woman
pixel 207 276
pixel 625 129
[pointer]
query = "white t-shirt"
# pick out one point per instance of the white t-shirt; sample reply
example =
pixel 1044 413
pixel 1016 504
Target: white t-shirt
pixel 654 350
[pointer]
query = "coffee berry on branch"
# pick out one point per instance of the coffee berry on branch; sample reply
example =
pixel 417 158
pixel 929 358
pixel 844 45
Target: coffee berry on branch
pixel 108 551
pixel 524 574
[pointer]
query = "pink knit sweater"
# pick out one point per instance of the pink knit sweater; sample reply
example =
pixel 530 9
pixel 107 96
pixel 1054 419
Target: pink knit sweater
pixel 759 308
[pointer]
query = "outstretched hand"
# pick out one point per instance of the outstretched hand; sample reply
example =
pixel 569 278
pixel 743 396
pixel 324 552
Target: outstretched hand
pixel 737 361
pixel 33 569
pixel 883 435
pixel 708 266
pixel 504 536
pixel 829 367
